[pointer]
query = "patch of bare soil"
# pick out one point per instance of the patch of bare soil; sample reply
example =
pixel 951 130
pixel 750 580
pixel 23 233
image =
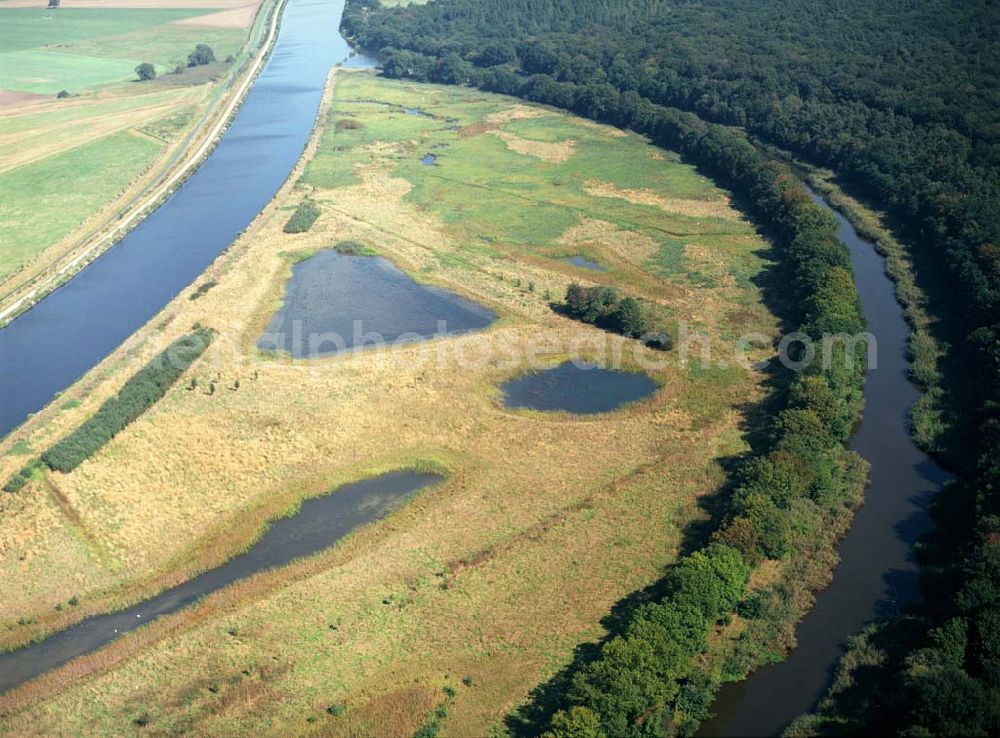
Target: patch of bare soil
pixel 10 98
pixel 239 17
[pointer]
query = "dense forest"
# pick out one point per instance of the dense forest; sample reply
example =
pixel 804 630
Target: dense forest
pixel 900 98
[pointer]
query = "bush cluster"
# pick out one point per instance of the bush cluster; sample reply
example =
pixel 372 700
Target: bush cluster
pixel 606 308
pixel 651 664
pixel 303 218
pixel 140 392
pixel 202 54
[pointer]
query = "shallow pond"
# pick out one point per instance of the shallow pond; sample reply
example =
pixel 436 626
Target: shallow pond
pixel 319 523
pixel 576 388
pixel 428 160
pixel 335 302
pixel 584 263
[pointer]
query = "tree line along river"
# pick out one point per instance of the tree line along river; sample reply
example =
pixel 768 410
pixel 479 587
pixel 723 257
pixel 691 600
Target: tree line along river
pixel 72 329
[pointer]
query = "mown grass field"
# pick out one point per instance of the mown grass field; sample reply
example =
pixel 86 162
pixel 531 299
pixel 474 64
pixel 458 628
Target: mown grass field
pixel 61 166
pixel 64 161
pixel 45 51
pixel 483 584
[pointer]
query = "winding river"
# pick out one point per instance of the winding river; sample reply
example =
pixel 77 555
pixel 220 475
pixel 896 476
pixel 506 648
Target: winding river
pixel 72 329
pixel 877 573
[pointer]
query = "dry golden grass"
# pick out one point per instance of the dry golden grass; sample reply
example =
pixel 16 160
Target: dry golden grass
pixel 241 16
pixel 544 521
pixel 50 135
pixel 546 151
pixel 700 208
pixel 624 246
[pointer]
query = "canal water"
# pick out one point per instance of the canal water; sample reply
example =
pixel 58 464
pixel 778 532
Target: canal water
pixel 877 573
pixel 73 328
pixel 319 523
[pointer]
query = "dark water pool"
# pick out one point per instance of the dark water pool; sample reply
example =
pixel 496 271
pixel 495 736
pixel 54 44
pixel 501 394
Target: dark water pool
pixel 335 302
pixel 319 523
pixel 584 263
pixel 428 160
pixel 576 388
pixel 877 573
pixel 47 348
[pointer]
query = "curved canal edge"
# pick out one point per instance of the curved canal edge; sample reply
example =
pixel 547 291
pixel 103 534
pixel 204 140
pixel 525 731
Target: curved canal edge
pixel 162 186
pixel 76 326
pixel 877 573
pixel 319 523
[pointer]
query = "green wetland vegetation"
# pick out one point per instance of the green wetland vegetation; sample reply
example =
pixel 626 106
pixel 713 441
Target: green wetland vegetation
pixel 899 99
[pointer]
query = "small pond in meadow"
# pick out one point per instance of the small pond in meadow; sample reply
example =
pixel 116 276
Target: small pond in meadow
pixel 336 302
pixel 584 263
pixel 576 388
pixel 428 160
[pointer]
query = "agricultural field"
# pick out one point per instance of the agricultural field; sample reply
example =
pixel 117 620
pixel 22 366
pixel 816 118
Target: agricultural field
pixel 69 162
pixel 480 587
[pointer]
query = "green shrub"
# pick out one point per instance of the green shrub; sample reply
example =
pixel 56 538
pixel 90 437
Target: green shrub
pixel 606 308
pixel 202 54
pixel 354 248
pixel 303 218
pixel 21 478
pixel 145 72
pixel 139 393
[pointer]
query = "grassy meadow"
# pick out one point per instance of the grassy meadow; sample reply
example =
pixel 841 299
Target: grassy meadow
pixel 64 163
pixel 45 51
pixel 480 587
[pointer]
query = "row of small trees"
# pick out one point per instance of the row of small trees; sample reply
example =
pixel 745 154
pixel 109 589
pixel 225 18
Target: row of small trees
pixel 140 392
pixel 645 681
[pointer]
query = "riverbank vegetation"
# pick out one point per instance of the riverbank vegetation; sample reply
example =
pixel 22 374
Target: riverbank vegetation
pixel 140 392
pixel 561 516
pixel 894 97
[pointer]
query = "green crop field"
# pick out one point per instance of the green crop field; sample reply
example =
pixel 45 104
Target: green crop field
pixel 43 202
pixel 43 51
pixel 62 161
pixel 29 28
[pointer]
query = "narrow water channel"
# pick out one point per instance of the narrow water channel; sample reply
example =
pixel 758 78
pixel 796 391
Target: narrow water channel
pixel 877 573
pixel 73 328
pixel 319 523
